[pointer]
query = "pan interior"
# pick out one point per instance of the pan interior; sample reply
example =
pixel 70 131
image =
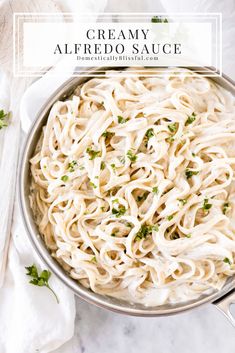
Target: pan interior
pixel 104 301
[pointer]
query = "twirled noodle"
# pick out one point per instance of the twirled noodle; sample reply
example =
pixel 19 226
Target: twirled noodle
pixel 133 186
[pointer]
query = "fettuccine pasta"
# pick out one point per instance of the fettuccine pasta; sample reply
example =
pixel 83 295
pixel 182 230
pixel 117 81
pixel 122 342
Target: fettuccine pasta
pixel 133 186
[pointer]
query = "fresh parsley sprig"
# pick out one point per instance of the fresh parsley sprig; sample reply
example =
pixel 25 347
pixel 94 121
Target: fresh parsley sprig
pixel 41 279
pixel 4 117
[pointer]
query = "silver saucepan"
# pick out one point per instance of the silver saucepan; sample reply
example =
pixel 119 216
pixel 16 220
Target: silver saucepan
pixel 221 299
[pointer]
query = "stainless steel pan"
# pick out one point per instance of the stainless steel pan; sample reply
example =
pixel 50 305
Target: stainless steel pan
pixel 221 299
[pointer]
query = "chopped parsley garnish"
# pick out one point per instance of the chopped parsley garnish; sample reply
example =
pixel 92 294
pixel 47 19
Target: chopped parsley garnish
pixel 206 205
pixel 142 197
pixel 193 154
pixel 146 230
pixel 227 261
pixel 93 259
pixel 102 208
pixel 107 134
pixel 169 218
pixel 72 166
pixel 93 185
pixel 190 119
pixel 172 127
pixel 188 235
pixel 4 117
pixel 155 190
pixel 149 133
pixel 121 120
pixel 102 165
pixel 158 19
pixel 189 173
pixel 113 234
pixel 225 207
pixel 183 201
pixel 170 139
pixel 113 166
pixel 41 279
pixel 120 211
pixel 92 153
pixel 65 178
pixel 131 156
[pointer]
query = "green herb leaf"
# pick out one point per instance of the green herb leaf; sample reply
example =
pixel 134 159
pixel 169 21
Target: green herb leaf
pixel 102 165
pixel 107 134
pixel 169 218
pixel 183 201
pixel 4 118
pixel 170 139
pixel 113 166
pixel 206 206
pixel 93 185
pixel 149 133
pixel 71 166
pixel 40 280
pixel 65 178
pixel 121 120
pixel 189 173
pixel 172 127
pixel 92 153
pixel 158 19
pixel 155 190
pixel 190 119
pixel 93 259
pixel 120 211
pixel 227 261
pixel 146 230
pixel 225 208
pixel 188 235
pixel 131 156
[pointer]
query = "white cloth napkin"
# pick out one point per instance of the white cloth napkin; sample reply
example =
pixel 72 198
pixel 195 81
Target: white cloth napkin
pixel 31 319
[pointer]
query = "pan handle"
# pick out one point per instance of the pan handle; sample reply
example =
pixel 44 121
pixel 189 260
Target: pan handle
pixel 224 303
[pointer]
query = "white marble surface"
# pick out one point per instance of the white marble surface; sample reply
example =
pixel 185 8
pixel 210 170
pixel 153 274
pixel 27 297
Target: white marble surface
pixel 203 330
